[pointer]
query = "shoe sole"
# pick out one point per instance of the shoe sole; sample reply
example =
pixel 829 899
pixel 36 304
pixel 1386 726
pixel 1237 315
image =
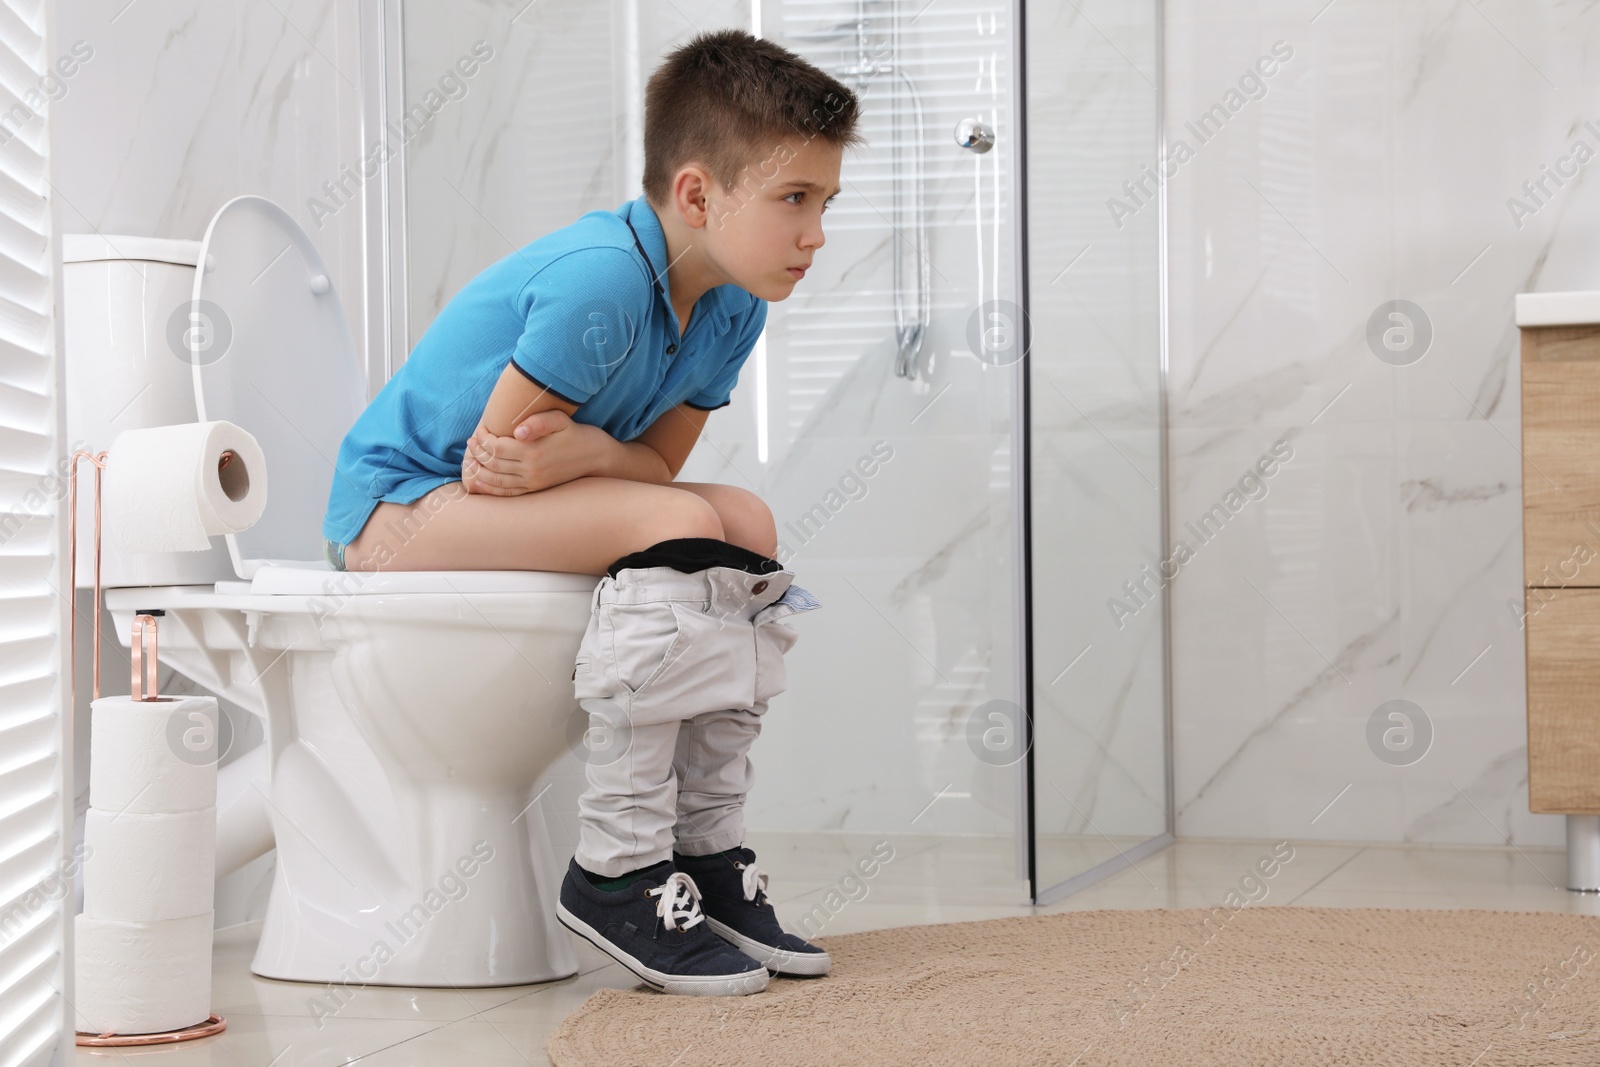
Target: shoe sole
pixel 776 960
pixel 714 985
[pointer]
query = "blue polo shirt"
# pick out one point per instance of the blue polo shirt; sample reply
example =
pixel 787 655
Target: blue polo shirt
pixel 585 312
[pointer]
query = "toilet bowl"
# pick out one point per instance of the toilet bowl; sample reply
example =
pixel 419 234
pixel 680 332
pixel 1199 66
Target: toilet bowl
pixel 407 714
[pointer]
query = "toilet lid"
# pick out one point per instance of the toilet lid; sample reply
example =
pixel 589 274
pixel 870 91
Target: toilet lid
pixel 289 372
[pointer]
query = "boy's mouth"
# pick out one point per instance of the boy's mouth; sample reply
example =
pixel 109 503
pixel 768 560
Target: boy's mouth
pixel 797 273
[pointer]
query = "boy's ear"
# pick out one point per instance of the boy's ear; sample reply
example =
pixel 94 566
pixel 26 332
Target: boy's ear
pixel 689 190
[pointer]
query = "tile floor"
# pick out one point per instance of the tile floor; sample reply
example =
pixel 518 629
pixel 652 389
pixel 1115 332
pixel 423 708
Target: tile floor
pixel 930 879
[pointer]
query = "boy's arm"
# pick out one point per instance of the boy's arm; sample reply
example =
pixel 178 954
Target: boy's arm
pixel 672 436
pixel 656 455
pixel 514 398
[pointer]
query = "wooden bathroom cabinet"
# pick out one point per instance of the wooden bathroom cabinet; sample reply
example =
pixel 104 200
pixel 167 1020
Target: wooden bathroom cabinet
pixel 1561 560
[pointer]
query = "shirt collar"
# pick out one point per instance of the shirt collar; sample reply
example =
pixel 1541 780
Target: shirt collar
pixel 653 238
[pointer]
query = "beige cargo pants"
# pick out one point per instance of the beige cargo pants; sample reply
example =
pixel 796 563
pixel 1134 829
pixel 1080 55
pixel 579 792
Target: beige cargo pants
pixel 677 668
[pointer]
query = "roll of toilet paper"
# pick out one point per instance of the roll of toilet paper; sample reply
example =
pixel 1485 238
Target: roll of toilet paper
pixel 142 977
pixel 148 868
pixel 169 488
pixel 157 756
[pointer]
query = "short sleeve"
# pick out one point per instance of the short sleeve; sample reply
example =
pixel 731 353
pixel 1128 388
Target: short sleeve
pixel 718 393
pixel 582 314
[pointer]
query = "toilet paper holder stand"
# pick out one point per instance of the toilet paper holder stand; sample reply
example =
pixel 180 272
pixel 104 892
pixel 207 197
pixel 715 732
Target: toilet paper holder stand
pixel 143 688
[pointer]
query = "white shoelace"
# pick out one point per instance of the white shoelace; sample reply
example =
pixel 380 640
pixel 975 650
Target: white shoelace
pixel 680 900
pixel 755 879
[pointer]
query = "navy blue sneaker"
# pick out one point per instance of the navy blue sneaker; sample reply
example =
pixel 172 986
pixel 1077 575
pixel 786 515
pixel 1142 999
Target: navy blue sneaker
pixel 734 895
pixel 654 927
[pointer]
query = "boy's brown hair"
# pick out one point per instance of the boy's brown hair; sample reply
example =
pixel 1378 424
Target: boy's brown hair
pixel 727 98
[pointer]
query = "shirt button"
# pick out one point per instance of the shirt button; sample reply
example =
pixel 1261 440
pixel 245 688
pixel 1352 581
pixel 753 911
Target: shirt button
pixel 671 349
pixel 759 587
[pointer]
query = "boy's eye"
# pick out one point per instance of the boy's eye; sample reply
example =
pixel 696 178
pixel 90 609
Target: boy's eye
pixel 825 204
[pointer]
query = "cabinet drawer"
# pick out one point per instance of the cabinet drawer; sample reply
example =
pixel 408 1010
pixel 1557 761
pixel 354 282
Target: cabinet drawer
pixel 1561 456
pixel 1563 636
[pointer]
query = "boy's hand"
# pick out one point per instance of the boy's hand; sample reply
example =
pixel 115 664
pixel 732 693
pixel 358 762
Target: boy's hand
pixel 545 449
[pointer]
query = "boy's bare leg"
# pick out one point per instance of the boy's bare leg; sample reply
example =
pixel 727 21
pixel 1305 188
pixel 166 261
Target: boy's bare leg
pixel 746 519
pixel 580 527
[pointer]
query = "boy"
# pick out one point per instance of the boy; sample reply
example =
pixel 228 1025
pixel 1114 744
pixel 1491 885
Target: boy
pixel 540 423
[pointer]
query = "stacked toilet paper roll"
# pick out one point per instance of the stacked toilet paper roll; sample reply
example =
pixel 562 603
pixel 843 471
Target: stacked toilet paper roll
pixel 144 937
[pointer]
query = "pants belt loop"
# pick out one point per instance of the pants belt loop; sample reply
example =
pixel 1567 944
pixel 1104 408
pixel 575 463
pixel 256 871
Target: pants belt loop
pixel 724 596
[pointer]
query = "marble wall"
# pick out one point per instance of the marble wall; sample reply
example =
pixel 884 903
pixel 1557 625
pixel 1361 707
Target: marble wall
pixel 185 104
pixel 540 135
pixel 1382 559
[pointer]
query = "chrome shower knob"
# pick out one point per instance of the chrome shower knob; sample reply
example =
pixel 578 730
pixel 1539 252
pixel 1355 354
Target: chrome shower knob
pixel 974 135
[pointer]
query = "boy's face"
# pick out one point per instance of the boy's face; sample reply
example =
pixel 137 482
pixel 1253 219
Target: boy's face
pixel 763 232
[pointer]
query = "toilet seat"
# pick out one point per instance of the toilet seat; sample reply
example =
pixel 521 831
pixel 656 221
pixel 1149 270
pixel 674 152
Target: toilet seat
pixel 308 580
pixel 286 582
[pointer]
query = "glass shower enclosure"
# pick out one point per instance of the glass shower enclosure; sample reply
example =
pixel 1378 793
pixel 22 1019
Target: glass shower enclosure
pixel 956 418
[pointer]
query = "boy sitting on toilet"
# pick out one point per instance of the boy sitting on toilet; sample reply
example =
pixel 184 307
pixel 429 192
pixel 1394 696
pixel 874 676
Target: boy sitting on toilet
pixel 540 423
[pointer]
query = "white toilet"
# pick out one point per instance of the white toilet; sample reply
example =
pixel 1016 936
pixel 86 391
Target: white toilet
pixel 407 714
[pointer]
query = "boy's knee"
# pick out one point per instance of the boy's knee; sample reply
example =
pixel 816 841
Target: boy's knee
pixel 683 514
pixel 748 522
pixel 746 519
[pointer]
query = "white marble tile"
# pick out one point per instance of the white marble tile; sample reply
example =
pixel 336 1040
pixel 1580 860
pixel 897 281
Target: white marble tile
pixel 185 105
pixel 538 137
pixel 237 992
pixel 281 1041
pixel 1376 167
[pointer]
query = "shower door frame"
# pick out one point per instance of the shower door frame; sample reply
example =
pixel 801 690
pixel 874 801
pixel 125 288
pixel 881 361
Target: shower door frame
pixel 1023 488
pixel 385 327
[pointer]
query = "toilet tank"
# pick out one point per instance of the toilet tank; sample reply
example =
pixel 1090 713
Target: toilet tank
pixel 257 337
pixel 125 303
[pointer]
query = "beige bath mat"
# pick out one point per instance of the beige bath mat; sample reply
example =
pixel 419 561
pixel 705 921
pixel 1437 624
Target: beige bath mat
pixel 1261 985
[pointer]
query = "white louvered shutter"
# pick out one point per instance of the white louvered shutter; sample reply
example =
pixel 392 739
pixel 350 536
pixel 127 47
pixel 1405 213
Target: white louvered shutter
pixel 35 893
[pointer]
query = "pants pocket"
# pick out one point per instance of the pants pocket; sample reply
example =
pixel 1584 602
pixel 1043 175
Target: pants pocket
pixel 622 646
pixel 773 639
pixel 709 665
pixel 641 637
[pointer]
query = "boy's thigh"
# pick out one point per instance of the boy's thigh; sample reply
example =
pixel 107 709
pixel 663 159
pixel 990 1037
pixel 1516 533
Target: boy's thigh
pixel 580 527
